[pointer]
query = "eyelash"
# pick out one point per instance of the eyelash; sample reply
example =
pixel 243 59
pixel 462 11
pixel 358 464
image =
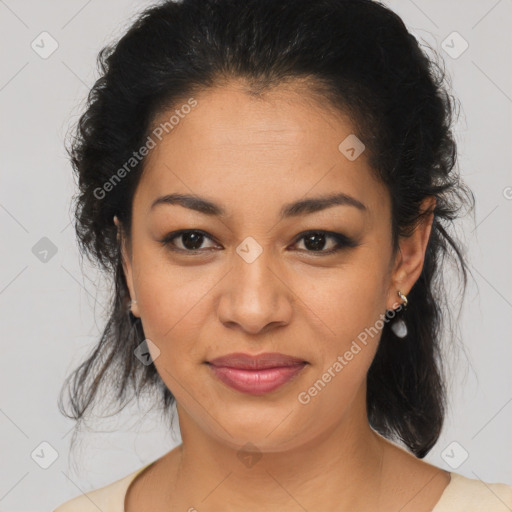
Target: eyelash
pixel 342 241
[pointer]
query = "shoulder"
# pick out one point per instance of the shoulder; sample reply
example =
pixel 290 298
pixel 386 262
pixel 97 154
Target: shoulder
pixel 110 497
pixel 465 494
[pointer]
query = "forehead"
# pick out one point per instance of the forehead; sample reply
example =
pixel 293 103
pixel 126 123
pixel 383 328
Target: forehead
pixel 246 150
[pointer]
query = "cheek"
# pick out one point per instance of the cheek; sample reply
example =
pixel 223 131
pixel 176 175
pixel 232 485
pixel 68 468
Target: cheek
pixel 351 304
pixel 174 303
pixel 347 300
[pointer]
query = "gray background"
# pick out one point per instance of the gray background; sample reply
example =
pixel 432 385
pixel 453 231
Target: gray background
pixel 52 313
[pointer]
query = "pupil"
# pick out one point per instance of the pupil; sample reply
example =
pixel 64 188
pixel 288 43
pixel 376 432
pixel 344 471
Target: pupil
pixel 310 243
pixel 192 241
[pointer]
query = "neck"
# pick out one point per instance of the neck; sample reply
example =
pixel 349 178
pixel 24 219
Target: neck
pixel 338 469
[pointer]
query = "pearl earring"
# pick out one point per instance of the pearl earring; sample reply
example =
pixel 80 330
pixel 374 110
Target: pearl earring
pixel 399 327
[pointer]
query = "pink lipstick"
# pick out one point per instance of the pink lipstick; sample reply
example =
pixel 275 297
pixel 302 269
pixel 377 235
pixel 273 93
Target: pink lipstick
pixel 256 375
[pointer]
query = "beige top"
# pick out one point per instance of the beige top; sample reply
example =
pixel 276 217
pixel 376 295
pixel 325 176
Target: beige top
pixel 461 495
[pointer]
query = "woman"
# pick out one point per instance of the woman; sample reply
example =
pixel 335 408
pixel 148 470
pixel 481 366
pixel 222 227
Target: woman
pixel 271 183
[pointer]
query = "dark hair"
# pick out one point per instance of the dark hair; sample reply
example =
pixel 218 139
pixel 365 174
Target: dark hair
pixel 358 58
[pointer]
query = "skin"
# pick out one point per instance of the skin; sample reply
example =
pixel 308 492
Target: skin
pixel 252 156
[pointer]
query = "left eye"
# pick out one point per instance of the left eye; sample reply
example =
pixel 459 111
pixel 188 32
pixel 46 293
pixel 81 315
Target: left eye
pixel 314 241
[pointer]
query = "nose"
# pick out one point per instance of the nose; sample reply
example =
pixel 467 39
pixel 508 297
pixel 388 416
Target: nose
pixel 256 296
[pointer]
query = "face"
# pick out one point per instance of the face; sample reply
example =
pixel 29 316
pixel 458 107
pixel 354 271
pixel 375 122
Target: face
pixel 260 276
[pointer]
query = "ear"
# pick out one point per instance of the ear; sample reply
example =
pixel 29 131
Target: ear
pixel 127 267
pixel 411 256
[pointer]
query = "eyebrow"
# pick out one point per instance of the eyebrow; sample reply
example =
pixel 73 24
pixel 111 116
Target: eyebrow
pixel 302 207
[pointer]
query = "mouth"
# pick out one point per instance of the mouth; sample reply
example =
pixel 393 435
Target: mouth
pixel 256 375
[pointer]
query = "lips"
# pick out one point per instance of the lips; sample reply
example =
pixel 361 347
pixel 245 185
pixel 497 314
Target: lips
pixel 256 374
pixel 259 362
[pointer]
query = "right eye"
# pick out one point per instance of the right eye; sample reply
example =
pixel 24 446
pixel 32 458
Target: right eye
pixel 191 240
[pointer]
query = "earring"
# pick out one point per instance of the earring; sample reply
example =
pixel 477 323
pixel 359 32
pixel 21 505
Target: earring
pixel 132 317
pixel 404 298
pixel 399 327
